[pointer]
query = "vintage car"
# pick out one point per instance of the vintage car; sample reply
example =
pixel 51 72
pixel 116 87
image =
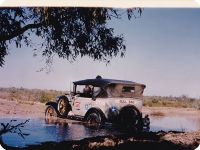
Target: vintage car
pixel 100 100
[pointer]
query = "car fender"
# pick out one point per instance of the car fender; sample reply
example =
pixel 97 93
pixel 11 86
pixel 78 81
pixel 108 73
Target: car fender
pixel 66 98
pixel 61 96
pixel 132 107
pixel 54 104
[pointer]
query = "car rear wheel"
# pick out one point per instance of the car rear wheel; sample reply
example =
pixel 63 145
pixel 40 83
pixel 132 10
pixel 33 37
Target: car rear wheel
pixel 130 117
pixel 63 106
pixel 94 119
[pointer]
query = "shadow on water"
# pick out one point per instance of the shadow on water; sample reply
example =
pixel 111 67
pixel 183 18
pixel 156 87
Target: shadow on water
pixel 69 132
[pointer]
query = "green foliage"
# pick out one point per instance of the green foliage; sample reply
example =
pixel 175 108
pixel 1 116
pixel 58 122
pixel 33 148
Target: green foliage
pixel 66 32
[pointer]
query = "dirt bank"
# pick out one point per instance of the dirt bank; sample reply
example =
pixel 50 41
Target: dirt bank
pixel 142 141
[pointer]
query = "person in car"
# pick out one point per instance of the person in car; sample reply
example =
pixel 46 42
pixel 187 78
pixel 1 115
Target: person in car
pixel 87 90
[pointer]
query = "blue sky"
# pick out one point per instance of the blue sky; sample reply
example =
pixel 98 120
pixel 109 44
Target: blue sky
pixel 163 52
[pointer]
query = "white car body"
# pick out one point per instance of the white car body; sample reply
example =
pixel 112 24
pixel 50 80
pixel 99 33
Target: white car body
pixel 102 100
pixel 115 100
pixel 81 105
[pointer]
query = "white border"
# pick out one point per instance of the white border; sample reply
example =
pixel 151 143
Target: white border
pixel 103 3
pixel 198 148
pixel 198 1
pixel 1 148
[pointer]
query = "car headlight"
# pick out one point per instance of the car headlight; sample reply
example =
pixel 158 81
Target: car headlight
pixel 113 109
pixel 57 98
pixel 113 112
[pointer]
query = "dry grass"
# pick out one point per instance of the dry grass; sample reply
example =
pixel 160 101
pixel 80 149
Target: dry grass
pixel 157 113
pixel 183 102
pixel 29 96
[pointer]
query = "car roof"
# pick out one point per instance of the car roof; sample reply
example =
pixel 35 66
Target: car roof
pixel 100 82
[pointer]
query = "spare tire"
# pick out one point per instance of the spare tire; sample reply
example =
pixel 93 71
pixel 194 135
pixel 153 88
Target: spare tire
pixel 63 106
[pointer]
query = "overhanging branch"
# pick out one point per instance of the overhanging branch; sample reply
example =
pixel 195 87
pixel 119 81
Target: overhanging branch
pixel 19 31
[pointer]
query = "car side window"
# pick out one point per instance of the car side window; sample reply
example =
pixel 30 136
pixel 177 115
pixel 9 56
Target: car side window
pixel 128 89
pixel 96 91
pixel 99 92
pixel 84 90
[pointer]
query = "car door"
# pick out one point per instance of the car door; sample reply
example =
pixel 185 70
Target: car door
pixel 81 105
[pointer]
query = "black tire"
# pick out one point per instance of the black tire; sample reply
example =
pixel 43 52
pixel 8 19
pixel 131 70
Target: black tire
pixel 50 114
pixel 94 119
pixel 146 121
pixel 63 106
pixel 130 118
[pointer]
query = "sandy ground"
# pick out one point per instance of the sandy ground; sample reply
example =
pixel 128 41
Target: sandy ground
pixel 13 109
pixel 29 109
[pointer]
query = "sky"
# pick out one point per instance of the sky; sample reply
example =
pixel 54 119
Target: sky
pixel 163 52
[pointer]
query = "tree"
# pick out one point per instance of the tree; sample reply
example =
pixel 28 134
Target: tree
pixel 66 32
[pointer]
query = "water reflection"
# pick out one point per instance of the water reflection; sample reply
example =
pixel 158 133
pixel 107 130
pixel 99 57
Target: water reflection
pixel 42 130
pixel 67 130
pixel 176 123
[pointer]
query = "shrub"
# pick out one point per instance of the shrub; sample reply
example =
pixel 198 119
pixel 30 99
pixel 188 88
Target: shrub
pixel 154 101
pixel 45 97
pixel 14 95
pixel 164 103
pixel 157 113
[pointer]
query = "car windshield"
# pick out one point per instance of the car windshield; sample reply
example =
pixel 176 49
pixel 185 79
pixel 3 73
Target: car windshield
pixel 127 91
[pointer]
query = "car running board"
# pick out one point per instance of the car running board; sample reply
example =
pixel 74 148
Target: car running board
pixel 75 117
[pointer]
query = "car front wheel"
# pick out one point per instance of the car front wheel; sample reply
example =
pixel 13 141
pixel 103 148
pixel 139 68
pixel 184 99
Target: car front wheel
pixel 50 114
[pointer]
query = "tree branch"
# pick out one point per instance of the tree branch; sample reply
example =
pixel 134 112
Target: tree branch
pixel 19 31
pixel 7 128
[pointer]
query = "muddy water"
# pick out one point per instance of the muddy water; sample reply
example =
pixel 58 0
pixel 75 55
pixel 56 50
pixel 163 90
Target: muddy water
pixel 175 123
pixel 41 131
